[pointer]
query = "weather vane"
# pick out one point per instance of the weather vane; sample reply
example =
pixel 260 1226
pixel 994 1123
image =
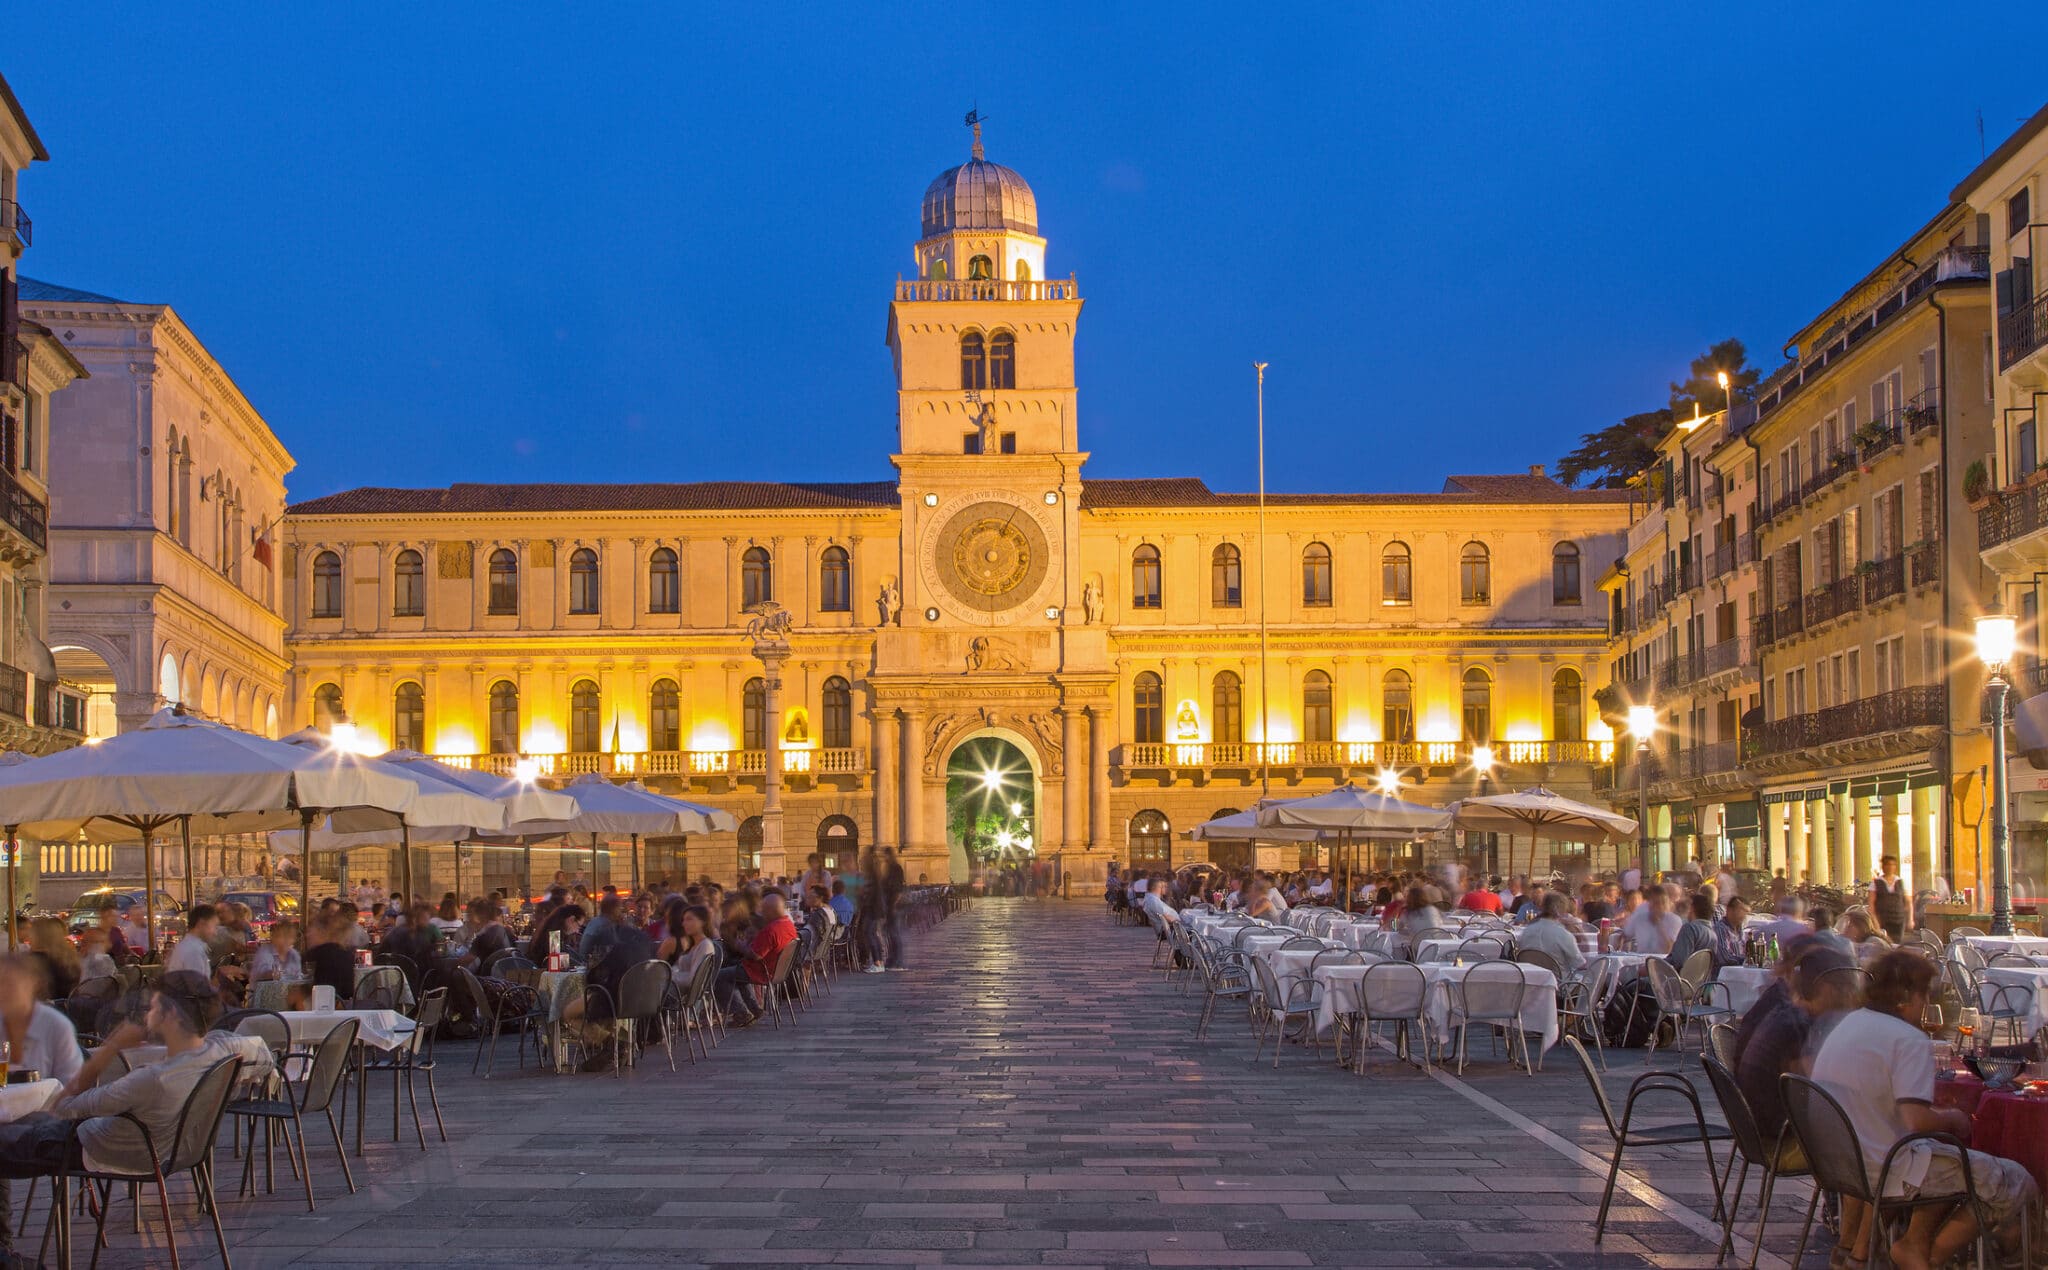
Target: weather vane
pixel 974 118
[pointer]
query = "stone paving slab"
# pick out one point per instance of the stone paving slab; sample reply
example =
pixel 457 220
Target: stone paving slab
pixel 1030 1093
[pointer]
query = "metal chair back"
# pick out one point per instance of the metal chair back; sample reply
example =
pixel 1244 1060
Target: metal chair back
pixel 1599 1089
pixel 1537 957
pixel 1393 990
pixel 1735 1111
pixel 1827 1136
pixel 330 1064
pixel 1721 1038
pixel 1492 991
pixel 380 988
pixel 641 990
pixel 1670 990
pixel 1483 948
pixel 1698 968
pixel 199 1119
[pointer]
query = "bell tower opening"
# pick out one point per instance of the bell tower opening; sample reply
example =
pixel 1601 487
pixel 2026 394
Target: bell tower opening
pixel 991 806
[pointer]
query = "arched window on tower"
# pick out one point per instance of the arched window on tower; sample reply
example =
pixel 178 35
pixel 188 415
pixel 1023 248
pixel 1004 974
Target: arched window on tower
pixel 408 717
pixel 757 579
pixel 1023 271
pixel 1477 707
pixel 504 723
pixel 1397 707
pixel 754 715
pixel 1316 711
pixel 1226 708
pixel 1148 708
pixel 583 587
pixel 1145 577
pixel 1002 360
pixel 664 717
pixel 327 709
pixel 1226 577
pixel 980 269
pixel 327 585
pixel 664 594
pixel 408 584
pixel 835 581
pixel 1397 575
pixel 1567 706
pixel 837 733
pixel 973 361
pixel 1315 576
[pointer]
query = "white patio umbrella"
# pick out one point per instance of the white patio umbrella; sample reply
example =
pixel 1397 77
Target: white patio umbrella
pixel 1541 814
pixel 177 768
pixel 1348 813
pixel 630 808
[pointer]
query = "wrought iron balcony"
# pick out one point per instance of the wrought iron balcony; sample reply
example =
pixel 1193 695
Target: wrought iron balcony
pixel 14 220
pixel 1730 654
pixel 14 700
pixel 1870 717
pixel 2022 331
pixel 1885 579
pixel 24 512
pixel 1925 563
pixel 2012 514
pixel 1842 596
pixel 988 289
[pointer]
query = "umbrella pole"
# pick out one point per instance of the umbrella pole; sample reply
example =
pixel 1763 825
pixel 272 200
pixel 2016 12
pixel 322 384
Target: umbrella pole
pixel 185 838
pixel 13 853
pixel 148 889
pixel 636 863
pixel 593 862
pixel 306 868
pixel 526 895
pixel 405 862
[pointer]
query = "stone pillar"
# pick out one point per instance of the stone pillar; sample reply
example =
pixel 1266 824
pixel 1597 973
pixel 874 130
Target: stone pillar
pixel 772 652
pixel 911 805
pixel 1795 843
pixel 1818 816
pixel 1844 841
pixel 1074 802
pixel 1098 779
pixel 882 742
pixel 1926 860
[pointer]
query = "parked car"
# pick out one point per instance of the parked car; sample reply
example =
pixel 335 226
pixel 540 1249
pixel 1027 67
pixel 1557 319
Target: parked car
pixel 266 908
pixel 170 914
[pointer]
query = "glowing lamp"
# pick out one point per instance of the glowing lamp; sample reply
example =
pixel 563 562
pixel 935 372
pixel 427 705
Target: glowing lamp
pixel 526 771
pixel 1390 781
pixel 1482 758
pixel 1642 721
pixel 991 780
pixel 1997 635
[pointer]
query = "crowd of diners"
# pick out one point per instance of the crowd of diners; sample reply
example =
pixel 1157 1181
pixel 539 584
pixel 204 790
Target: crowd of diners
pixel 1861 1037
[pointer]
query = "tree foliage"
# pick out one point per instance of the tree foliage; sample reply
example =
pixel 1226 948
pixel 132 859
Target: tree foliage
pixel 1611 457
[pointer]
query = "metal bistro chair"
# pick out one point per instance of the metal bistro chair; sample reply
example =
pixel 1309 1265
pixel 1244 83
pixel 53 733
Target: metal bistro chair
pixel 2007 1005
pixel 1836 1158
pixel 1395 992
pixel 510 1003
pixel 1225 977
pixel 380 988
pixel 286 1112
pixel 1774 1159
pixel 1677 1003
pixel 191 1151
pixel 1721 1044
pixel 1582 1003
pixel 1483 948
pixel 1968 957
pixel 641 991
pixel 1627 1134
pixel 1278 1008
pixel 1491 994
pixel 411 1056
pixel 696 1008
pixel 1537 957
pixel 777 994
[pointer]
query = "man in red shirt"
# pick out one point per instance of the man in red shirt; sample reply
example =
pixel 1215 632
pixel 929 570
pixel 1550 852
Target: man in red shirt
pixel 743 985
pixel 1479 899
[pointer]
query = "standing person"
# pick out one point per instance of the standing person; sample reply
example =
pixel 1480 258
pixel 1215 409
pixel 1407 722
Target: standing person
pixel 1891 903
pixel 868 914
pixel 891 887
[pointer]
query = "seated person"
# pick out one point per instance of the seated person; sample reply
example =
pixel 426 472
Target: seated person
pixel 1880 1066
pixel 1548 934
pixel 1863 934
pixel 278 956
pixel 329 960
pixel 1697 933
pixel 1652 927
pixel 1787 1035
pixel 95 961
pixel 739 985
pixel 1790 922
pixel 1728 944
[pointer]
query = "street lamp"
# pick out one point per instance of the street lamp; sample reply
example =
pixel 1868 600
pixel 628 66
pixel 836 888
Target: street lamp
pixel 1997 633
pixel 1482 763
pixel 1642 722
pixel 1390 781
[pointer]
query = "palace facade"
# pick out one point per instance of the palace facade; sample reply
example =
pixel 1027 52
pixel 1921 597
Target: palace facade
pixel 1143 654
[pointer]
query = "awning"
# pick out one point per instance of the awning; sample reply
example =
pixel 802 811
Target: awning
pixel 1812 794
pixel 1739 820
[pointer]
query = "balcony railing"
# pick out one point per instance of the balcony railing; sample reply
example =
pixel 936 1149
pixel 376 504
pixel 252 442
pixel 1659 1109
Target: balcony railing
pixel 2022 331
pixel 14 701
pixel 2012 514
pixel 1681 670
pixel 1690 576
pixel 1880 434
pixel 1923 413
pixel 15 220
pixel 1729 654
pixel 988 289
pixel 1839 463
pixel 685 763
pixel 22 510
pixel 1825 604
pixel 1788 620
pixel 1872 716
pixel 1885 579
pixel 1250 755
pixel 1925 562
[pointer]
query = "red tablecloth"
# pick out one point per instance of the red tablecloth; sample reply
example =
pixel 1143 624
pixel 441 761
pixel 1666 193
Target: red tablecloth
pixel 2013 1126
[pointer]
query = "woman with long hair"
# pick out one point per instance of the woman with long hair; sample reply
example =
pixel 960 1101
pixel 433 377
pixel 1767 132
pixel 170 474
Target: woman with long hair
pixel 568 919
pixel 49 945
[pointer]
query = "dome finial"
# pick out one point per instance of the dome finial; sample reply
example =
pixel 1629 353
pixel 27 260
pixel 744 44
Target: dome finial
pixel 974 122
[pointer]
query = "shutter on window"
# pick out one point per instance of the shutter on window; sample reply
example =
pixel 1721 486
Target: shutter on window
pixel 10 329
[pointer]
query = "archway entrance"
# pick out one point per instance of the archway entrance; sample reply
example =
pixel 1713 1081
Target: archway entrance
pixel 839 843
pixel 991 807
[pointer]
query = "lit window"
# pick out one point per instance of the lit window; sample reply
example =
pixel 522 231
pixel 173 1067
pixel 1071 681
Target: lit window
pixel 664 594
pixel 1002 360
pixel 1145 577
pixel 1226 577
pixel 408 584
pixel 664 716
pixel 1567 707
pixel 1475 575
pixel 1478 707
pixel 838 730
pixel 504 599
pixel 835 581
pixel 1148 708
pixel 757 579
pixel 1316 722
pixel 1564 574
pixel 1397 574
pixel 327 585
pixel 973 361
pixel 504 722
pixel 586 728
pixel 327 707
pixel 583 587
pixel 1315 576
pixel 1397 707
pixel 1226 708
pixel 754 715
pixel 408 717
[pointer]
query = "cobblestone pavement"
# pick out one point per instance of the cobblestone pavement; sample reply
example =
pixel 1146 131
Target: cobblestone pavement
pixel 1029 1093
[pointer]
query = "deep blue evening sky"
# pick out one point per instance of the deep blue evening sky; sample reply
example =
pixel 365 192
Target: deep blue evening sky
pixel 489 242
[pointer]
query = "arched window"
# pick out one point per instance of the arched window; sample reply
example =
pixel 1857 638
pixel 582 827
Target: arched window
pixel 167 684
pixel 1002 360
pixel 1145 577
pixel 980 269
pixel 408 584
pixel 973 361
pixel 583 588
pixel 838 842
pixel 326 585
pixel 937 270
pixel 664 717
pixel 1397 574
pixel 835 582
pixel 1023 271
pixel 1226 708
pixel 1148 708
pixel 750 843
pixel 754 715
pixel 1315 576
pixel 327 709
pixel 1397 707
pixel 664 592
pixel 1226 577
pixel 1478 707
pixel 504 584
pixel 838 729
pixel 504 725
pixel 586 730
pixel 1564 574
pixel 1151 840
pixel 757 577
pixel 1475 575
pixel 408 718
pixel 1316 721
pixel 1567 707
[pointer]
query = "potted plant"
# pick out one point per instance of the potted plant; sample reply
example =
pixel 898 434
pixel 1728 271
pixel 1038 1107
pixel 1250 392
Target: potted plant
pixel 1867 567
pixel 1918 417
pixel 1977 484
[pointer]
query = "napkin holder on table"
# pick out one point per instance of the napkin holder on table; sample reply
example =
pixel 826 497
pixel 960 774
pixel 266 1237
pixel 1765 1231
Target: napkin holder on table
pixel 323 996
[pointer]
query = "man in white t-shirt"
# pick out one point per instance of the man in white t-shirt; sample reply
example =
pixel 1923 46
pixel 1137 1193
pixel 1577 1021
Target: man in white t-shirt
pixel 1324 888
pixel 1158 909
pixel 1653 926
pixel 1880 1066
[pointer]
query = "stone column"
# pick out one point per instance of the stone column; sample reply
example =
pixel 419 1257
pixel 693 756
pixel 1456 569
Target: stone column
pixel 1098 779
pixel 772 652
pixel 1926 861
pixel 1795 843
pixel 911 806
pixel 1844 840
pixel 1819 849
pixel 882 742
pixel 1074 802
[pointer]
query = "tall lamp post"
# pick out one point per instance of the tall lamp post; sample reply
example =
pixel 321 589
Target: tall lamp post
pixel 1642 722
pixel 1997 633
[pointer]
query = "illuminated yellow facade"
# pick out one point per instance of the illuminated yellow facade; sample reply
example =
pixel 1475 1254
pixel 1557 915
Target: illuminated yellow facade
pixel 1108 629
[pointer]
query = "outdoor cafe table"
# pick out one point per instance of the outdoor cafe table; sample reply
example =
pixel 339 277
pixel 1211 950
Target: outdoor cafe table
pixel 1745 984
pixel 2032 980
pixel 26 1099
pixel 1292 963
pixel 2010 1124
pixel 1539 1000
pixel 269 994
pixel 1992 945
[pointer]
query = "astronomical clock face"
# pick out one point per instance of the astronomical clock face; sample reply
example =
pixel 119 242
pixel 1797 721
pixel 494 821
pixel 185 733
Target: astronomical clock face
pixel 989 555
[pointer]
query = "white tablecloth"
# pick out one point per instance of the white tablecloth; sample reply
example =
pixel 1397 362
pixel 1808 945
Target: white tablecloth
pixel 1992 945
pixel 1437 949
pixel 1539 1002
pixel 1745 985
pixel 17 1101
pixel 1265 942
pixel 378 1029
pixel 2033 980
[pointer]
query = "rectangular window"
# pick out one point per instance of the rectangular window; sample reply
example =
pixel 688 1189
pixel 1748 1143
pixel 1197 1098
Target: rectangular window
pixel 970 443
pixel 1930 506
pixel 1930 376
pixel 1009 443
pixel 2026 461
pixel 1930 659
pixel 1852 684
